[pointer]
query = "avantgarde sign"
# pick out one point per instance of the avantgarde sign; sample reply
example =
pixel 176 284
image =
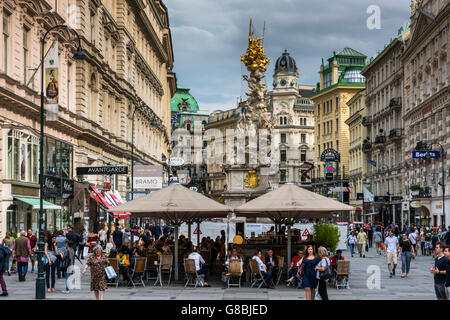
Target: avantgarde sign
pixel 102 170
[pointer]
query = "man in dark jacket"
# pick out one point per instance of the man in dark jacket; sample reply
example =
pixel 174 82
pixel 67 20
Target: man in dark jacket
pixel 117 237
pixel 156 231
pixel 4 258
pixel 74 237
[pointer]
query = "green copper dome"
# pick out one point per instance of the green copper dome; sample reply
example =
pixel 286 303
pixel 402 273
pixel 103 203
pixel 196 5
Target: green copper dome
pixel 182 95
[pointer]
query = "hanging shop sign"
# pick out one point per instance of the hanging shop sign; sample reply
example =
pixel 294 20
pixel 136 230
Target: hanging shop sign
pixel 147 177
pixel 51 187
pixel 102 170
pixel 330 155
pixel 175 162
pixel 416 204
pixel 329 167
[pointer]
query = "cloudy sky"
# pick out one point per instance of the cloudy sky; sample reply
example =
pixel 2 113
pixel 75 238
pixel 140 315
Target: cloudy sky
pixel 209 36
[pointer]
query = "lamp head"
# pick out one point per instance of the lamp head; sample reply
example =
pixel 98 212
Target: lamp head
pixel 154 122
pixel 79 54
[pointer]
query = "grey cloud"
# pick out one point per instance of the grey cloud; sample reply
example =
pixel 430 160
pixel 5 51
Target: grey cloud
pixel 209 36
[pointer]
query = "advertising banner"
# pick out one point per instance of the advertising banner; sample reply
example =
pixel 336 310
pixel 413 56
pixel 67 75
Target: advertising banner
pixel 147 177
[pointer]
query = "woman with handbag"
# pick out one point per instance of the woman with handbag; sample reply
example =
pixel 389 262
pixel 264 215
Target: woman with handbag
pixel 98 263
pixel 323 272
pixel 50 261
pixel 309 281
pixel 68 259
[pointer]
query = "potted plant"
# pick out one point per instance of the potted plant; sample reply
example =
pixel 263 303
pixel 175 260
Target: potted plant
pixel 414 187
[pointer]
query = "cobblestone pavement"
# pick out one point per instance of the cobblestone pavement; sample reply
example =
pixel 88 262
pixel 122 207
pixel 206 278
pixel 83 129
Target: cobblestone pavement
pixel 419 286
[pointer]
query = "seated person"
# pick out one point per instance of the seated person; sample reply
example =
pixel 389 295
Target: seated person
pixel 293 269
pixel 199 260
pixel 272 262
pixel 233 256
pixel 123 264
pixel 334 260
pixel 267 274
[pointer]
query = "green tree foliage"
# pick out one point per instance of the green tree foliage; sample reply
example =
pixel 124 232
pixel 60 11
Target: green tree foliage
pixel 326 235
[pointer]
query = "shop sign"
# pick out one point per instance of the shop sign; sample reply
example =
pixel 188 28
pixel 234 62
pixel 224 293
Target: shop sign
pixel 147 177
pixel 360 196
pixel 330 155
pixel 175 162
pixel 415 204
pixel 51 187
pixel 108 170
pixel 67 189
pixel 405 205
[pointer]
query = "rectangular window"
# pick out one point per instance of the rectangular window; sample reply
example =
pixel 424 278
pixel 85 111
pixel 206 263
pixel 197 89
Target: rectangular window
pixel 331 105
pixel 428 51
pixel 283 138
pixel 337 104
pixel 444 37
pixel 429 128
pixel 5 40
pixel 436 78
pixel 303 155
pixel 429 84
pixel 303 138
pixel 283 155
pixel 337 125
pixel 421 92
pixel 318 129
pixel 444 73
pixel 436 44
pixel 436 125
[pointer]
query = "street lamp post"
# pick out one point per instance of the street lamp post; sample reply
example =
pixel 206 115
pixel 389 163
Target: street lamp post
pixel 420 146
pixel 79 55
pixel 153 123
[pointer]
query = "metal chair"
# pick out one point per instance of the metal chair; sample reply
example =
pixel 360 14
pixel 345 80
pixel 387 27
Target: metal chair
pixel 165 266
pixel 114 262
pixel 191 275
pixel 342 274
pixel 235 270
pixel 280 269
pixel 138 270
pixel 256 276
pixel 152 267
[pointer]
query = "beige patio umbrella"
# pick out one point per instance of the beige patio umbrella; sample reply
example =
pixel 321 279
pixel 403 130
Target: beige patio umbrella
pixel 291 203
pixel 175 204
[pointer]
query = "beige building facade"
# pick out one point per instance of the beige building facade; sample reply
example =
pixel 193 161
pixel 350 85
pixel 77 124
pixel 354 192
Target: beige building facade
pixel 357 159
pixel 128 61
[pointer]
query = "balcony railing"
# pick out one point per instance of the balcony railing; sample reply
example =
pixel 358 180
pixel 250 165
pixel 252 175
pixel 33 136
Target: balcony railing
pixel 366 146
pixel 395 133
pixel 380 139
pixel 395 102
pixel 367 120
pixel 422 193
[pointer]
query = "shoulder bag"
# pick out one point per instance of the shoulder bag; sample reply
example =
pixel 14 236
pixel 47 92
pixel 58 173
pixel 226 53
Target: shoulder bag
pixel 327 273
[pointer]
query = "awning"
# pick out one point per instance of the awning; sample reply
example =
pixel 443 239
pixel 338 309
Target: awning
pixel 34 202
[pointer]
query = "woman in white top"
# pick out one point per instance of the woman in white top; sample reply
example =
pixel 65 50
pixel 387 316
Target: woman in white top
pixel 351 241
pixel 321 266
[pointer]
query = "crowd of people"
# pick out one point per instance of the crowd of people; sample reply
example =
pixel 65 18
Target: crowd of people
pixel 406 243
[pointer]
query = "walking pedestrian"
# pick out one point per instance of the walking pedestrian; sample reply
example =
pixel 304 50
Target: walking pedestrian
pixel 447 274
pixel 84 240
pixel 102 237
pixel 117 238
pixel 321 266
pixel 309 281
pixel 73 237
pixel 68 260
pixel 50 261
pixel 351 240
pixel 391 251
pixel 8 242
pixel 407 252
pixel 439 270
pixel 22 251
pixel 33 242
pixel 422 241
pixel 362 240
pixel 413 237
pixel 378 238
pixel 61 241
pixel 97 263
pixel 4 261
pixel 370 236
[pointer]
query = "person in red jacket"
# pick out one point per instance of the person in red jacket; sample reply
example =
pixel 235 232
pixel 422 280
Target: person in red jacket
pixel 334 260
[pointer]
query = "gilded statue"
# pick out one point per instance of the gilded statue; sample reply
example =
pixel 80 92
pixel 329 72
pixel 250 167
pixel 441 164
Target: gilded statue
pixel 252 179
pixel 255 58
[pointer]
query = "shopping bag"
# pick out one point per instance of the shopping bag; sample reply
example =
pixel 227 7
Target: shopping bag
pixel 110 273
pixel 85 251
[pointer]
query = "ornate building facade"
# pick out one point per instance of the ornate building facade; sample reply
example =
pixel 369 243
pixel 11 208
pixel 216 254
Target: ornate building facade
pixel 293 114
pixel 340 80
pixel 128 61
pixel 385 132
pixel 427 111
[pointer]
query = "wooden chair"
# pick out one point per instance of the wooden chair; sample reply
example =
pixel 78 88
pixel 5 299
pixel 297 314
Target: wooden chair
pixel 342 274
pixel 114 262
pixel 138 270
pixel 152 267
pixel 256 276
pixel 191 275
pixel 235 270
pixel 165 266
pixel 280 269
